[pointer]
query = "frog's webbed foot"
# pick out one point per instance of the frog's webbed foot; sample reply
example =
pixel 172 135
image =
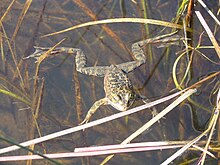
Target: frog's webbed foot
pixel 39 51
pixel 93 109
pixel 163 40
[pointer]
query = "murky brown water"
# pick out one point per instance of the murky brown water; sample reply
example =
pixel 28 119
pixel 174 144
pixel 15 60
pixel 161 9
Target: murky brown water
pixel 58 108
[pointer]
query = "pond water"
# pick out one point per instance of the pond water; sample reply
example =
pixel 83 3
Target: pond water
pixel 67 95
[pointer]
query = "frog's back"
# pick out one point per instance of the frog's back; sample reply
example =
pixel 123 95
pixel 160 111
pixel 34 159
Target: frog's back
pixel 118 88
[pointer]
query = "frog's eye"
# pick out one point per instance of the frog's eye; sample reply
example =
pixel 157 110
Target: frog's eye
pixel 116 98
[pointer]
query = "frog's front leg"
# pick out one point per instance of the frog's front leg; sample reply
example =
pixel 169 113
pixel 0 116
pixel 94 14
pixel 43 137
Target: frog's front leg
pixel 93 109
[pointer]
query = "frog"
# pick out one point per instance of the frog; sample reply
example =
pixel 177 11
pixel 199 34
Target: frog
pixel 119 90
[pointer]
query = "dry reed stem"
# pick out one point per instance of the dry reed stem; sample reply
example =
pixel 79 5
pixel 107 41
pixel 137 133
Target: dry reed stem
pixel 154 120
pixel 90 124
pixel 121 20
pixel 112 34
pixel 21 18
pixel 209 11
pixel 216 113
pixel 183 149
pixel 7 10
pixel 13 57
pixel 101 150
pixel 103 120
pixel 209 32
pixel 108 149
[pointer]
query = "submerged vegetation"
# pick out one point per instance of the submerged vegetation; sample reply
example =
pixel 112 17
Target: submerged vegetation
pixel 43 100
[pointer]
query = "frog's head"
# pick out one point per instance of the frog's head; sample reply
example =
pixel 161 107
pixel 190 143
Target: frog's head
pixel 123 100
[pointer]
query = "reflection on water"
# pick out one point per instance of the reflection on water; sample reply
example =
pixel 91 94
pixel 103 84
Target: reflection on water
pixel 65 94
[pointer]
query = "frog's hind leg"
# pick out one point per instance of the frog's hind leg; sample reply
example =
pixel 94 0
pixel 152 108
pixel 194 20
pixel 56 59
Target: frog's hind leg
pixel 82 68
pixel 80 60
pixel 138 55
pixel 140 58
pixel 93 109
